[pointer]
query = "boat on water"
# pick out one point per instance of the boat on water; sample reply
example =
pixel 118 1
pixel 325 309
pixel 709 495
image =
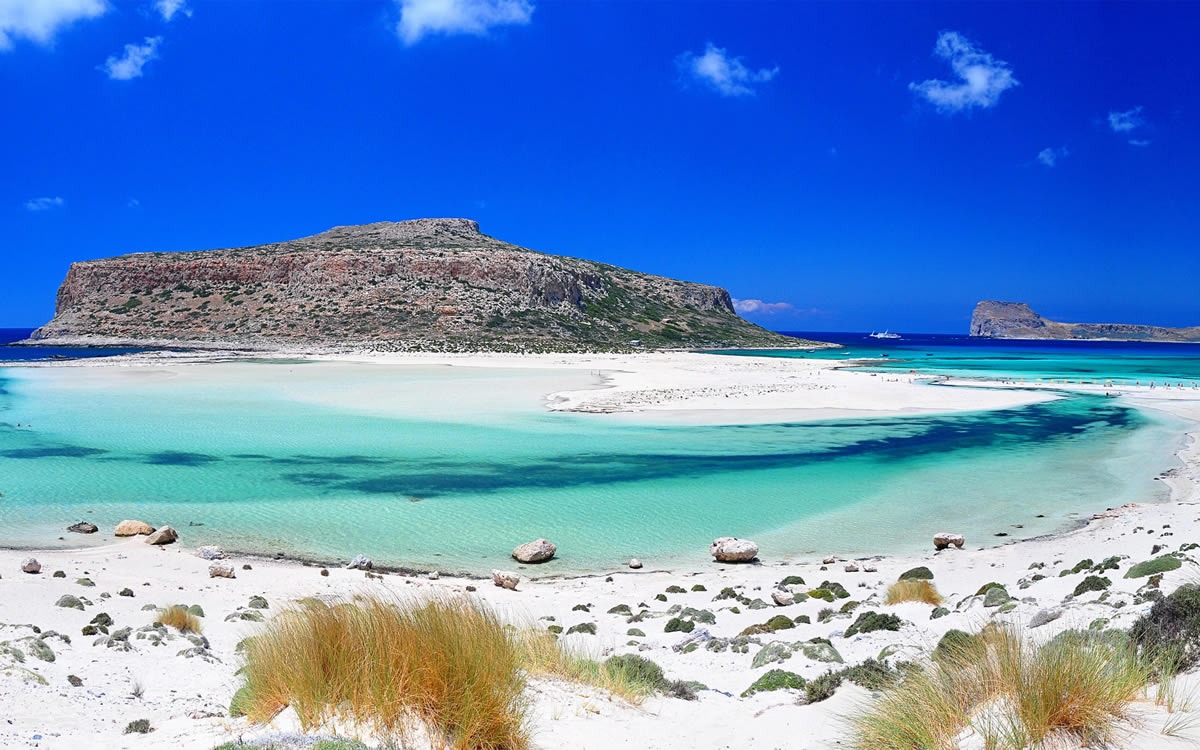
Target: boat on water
pixel 884 335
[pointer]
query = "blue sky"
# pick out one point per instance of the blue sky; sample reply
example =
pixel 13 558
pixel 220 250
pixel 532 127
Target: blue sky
pixel 836 166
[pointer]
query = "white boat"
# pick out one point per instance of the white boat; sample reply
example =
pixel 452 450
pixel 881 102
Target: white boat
pixel 884 335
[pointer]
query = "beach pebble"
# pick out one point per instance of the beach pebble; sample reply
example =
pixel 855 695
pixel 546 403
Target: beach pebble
pixel 783 598
pixel 165 535
pixel 944 539
pixel 220 570
pixel 732 549
pixel 211 552
pixel 635 563
pixel 829 560
pixel 539 550
pixel 30 565
pixel 83 527
pixel 132 528
pixel 360 562
pixel 505 579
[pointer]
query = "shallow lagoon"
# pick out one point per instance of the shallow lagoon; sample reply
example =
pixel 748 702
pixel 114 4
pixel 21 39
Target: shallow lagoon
pixel 450 467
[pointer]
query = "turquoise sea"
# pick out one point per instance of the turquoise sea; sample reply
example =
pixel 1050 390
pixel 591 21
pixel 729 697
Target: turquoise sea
pixel 449 468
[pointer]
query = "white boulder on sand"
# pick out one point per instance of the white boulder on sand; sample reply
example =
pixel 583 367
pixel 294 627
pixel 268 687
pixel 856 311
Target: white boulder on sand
pixel 944 539
pixel 165 535
pixel 210 552
pixel 505 579
pixel 220 570
pixel 635 563
pixel 360 562
pixel 132 528
pixel 539 550
pixel 30 565
pixel 732 549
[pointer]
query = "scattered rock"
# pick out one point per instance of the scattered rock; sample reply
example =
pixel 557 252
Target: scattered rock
pixel 30 565
pixel 782 598
pixel 258 602
pixel 944 539
pixel 220 570
pixel 360 562
pixel 165 535
pixel 211 552
pixel 829 560
pixel 1044 616
pixel 505 579
pixel 635 563
pixel 537 551
pixel 917 574
pixel 83 527
pixel 125 592
pixel 434 575
pixel 75 681
pixel 583 627
pixel 995 596
pixel 732 549
pixel 851 567
pixel 324 572
pixel 60 574
pixel 132 528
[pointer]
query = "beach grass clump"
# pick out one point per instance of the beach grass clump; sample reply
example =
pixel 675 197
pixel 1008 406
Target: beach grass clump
pixel 447 664
pixel 177 616
pixel 627 676
pixel 913 590
pixel 1154 566
pixel 1008 691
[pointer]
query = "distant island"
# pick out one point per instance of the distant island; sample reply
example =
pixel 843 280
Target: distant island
pixel 425 284
pixel 1016 320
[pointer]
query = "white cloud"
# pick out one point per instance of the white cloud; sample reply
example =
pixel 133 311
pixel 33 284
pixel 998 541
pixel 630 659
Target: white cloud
pixel 134 203
pixel 758 306
pixel 726 75
pixel 40 20
pixel 131 63
pixel 982 78
pixel 421 17
pixel 44 204
pixel 1139 142
pixel 1050 156
pixel 1123 122
pixel 168 8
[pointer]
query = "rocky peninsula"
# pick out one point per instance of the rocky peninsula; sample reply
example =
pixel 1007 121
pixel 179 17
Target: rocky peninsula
pixel 1016 320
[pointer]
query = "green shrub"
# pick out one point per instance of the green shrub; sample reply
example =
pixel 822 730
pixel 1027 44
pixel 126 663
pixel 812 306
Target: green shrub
pixel 138 726
pixel 1170 633
pixel 676 589
pixel 871 674
pixel 920 573
pixel 1080 566
pixel 775 679
pixel 1092 583
pixel 824 594
pixel 1150 567
pixel 869 622
pixel 636 668
pixel 792 581
pixel 679 625
pixel 837 589
pixel 822 687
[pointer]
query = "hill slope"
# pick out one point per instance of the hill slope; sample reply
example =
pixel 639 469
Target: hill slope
pixel 422 284
pixel 1016 320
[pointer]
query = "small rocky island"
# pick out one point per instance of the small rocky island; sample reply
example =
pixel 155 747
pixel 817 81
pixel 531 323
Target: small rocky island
pixel 1016 320
pixel 426 284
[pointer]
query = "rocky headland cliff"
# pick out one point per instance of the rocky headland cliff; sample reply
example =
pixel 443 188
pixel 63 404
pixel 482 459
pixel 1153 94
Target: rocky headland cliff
pixel 1016 320
pixel 427 284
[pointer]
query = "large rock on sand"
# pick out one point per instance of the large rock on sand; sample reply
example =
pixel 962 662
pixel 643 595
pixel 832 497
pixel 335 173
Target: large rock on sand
pixel 132 528
pixel 165 535
pixel 537 551
pixel 360 562
pixel 732 549
pixel 30 565
pixel 944 539
pixel 211 552
pixel 505 579
pixel 220 570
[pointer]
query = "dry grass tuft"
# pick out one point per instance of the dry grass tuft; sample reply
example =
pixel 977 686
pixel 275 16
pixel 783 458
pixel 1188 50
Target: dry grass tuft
pixel 1013 694
pixel 910 590
pixel 178 617
pixel 448 665
pixel 542 654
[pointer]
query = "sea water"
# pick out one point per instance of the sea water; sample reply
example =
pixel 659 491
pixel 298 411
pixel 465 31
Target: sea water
pixel 450 467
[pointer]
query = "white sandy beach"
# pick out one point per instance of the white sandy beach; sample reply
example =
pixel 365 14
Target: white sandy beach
pixel 186 698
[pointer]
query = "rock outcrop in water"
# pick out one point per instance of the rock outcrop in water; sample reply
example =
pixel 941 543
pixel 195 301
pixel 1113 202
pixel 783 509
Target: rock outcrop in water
pixel 423 284
pixel 1016 320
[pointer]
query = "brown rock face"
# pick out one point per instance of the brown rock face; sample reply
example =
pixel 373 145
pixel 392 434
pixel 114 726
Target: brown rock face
pixel 396 284
pixel 1016 320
